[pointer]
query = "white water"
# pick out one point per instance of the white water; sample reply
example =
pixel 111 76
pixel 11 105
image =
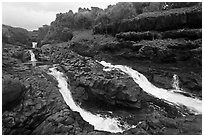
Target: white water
pixel 34 45
pixel 99 123
pixel 175 82
pixel 175 85
pixel 170 96
pixel 32 56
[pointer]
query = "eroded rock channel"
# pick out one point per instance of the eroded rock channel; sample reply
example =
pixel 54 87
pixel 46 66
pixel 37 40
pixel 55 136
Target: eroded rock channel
pixel 141 81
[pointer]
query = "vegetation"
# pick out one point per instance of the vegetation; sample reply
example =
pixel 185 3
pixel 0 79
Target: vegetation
pixel 88 18
pixel 13 35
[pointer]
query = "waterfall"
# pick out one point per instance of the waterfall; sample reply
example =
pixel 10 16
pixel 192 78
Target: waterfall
pixel 99 122
pixel 32 56
pixel 175 82
pixel 193 104
pixel 34 45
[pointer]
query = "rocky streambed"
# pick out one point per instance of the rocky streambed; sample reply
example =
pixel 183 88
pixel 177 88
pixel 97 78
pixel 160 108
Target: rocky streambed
pixel 43 110
pixel 73 87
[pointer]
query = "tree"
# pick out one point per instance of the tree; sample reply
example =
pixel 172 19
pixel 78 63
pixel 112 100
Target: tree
pixel 139 6
pixel 103 19
pixel 83 20
pixel 66 34
pixel 122 10
pixel 153 6
pixel 42 31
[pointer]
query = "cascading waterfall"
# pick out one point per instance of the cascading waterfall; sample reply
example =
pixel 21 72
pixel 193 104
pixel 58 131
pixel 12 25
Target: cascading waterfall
pixel 100 123
pixel 32 56
pixel 176 86
pixel 34 45
pixel 175 82
pixel 170 96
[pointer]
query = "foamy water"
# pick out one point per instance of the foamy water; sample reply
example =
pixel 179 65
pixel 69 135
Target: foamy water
pixel 34 45
pixel 100 123
pixel 170 96
pixel 32 56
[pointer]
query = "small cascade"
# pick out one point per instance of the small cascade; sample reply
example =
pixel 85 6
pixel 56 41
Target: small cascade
pixel 100 122
pixel 32 56
pixel 175 82
pixel 34 45
pixel 172 96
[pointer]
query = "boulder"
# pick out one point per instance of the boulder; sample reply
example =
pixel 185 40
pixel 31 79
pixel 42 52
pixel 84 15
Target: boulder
pixel 46 48
pixel 12 91
pixel 96 83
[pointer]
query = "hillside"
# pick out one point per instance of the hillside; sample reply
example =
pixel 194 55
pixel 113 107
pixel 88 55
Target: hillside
pixel 18 36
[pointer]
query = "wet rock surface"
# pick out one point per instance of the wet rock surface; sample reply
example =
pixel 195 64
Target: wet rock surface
pixel 43 110
pixel 89 79
pixel 32 104
pixel 12 91
pixel 81 76
pixel 159 50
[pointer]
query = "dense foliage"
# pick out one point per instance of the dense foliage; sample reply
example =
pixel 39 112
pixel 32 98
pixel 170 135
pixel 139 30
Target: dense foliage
pixel 88 18
pixel 14 35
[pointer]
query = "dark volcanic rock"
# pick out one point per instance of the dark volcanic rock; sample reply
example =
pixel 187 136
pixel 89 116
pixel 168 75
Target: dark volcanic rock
pixel 113 88
pixel 159 51
pixel 17 52
pixel 92 81
pixel 137 36
pixel 43 110
pixel 151 35
pixel 159 124
pixel 13 51
pixel 83 49
pixel 117 46
pixel 183 33
pixel 12 91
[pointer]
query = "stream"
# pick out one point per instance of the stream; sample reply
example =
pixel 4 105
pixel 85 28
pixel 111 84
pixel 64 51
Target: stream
pixel 113 124
pixel 171 96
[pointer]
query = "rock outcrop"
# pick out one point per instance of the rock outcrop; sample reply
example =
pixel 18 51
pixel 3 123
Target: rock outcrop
pixel 43 110
pixel 91 81
pixel 152 35
pixel 14 52
pixel 158 51
pixel 12 92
